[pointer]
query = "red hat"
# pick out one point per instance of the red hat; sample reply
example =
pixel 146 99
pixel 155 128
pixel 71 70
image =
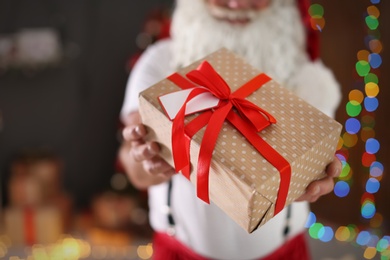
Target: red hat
pixel 313 41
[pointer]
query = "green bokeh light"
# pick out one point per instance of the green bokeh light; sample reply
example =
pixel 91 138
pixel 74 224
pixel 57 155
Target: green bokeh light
pixel 372 22
pixel 315 230
pixel 345 171
pixel 316 10
pixel 370 77
pixel 382 245
pixel 353 108
pixel 362 68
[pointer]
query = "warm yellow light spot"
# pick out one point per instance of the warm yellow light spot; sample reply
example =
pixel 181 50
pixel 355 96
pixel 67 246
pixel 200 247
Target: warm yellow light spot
pixel 369 253
pixel 374 11
pixel 356 95
pixel 145 251
pixel 85 248
pixel 363 55
pixel 372 89
pixel 340 143
pixel 350 140
pixel 342 233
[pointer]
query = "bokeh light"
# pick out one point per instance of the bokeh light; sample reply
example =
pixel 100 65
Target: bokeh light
pixel 343 233
pixel 316 10
pixel 373 241
pixel 371 77
pixel 363 55
pixel 340 144
pixel 369 253
pixel 317 20
pixel 372 146
pixel 372 185
pixel 363 68
pixel 372 22
pixel 350 140
pixel 368 209
pixel 327 234
pixel 371 89
pixel 375 46
pixel 353 108
pixel 373 11
pixel 345 170
pixel 363 238
pixel 375 60
pixel 356 95
pixel 367 197
pixel 352 125
pixel 376 169
pixel 368 159
pixel 341 189
pixel 371 104
pixel 316 230
pixel 382 245
pixel 359 129
pixel 310 220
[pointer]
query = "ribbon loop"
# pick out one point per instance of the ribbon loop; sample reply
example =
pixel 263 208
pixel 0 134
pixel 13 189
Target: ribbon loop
pixel 206 76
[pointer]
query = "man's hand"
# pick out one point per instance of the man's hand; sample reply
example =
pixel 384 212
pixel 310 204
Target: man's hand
pixel 325 185
pixel 141 159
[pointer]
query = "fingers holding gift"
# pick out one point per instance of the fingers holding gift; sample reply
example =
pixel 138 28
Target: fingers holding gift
pixel 152 163
pixel 334 168
pixel 321 187
pixel 158 166
pixel 145 151
pixel 134 132
pixel 318 188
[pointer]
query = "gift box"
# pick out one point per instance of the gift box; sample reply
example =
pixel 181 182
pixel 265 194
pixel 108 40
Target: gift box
pixel 247 143
pixel 35 178
pixel 28 226
pixel 113 211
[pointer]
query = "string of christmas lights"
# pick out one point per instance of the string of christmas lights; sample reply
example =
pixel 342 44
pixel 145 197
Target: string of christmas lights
pixel 361 109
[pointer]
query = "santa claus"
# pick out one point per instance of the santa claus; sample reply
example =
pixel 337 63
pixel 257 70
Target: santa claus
pixel 273 36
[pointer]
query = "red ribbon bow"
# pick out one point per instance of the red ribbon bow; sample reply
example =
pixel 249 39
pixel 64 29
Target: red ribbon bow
pixel 249 120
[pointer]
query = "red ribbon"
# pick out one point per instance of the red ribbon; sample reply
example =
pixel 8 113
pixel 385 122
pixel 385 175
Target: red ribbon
pixel 249 120
pixel 29 227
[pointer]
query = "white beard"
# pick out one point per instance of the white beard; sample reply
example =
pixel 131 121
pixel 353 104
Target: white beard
pixel 274 42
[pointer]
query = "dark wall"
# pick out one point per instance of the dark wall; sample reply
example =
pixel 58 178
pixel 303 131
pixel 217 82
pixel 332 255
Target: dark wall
pixel 72 108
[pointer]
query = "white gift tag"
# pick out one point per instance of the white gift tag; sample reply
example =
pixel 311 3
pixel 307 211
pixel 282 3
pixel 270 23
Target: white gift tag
pixel 172 102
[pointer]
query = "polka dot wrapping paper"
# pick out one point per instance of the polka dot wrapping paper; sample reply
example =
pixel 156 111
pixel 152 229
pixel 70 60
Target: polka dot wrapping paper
pixel 242 182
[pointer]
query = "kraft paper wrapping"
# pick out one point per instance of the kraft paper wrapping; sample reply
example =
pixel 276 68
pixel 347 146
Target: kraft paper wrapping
pixel 241 182
pixel 41 225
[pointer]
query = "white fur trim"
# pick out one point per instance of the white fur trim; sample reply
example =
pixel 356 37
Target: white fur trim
pixel 317 85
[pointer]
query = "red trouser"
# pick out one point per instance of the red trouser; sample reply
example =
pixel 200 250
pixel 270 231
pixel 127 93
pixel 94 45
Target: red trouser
pixel 166 247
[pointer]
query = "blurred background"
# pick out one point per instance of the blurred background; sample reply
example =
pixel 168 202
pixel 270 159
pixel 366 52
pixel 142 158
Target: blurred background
pixel 63 72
